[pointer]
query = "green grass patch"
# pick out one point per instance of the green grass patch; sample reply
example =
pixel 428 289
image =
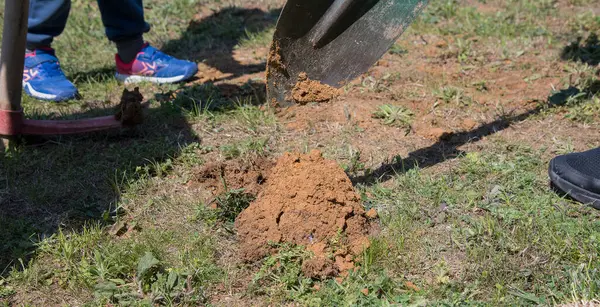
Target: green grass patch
pixel 396 116
pixel 115 271
pixel 517 19
pixel 254 40
pixel 487 232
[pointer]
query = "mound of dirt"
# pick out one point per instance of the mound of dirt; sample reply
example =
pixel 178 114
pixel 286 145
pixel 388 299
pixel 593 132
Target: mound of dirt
pixel 306 91
pixel 308 201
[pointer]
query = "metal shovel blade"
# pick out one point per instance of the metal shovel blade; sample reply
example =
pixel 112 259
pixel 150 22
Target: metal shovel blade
pixel 333 41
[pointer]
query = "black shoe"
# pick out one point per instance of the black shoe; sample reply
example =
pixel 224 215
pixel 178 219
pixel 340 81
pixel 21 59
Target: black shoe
pixel 578 175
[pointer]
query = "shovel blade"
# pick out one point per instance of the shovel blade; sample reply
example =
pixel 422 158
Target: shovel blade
pixel 333 41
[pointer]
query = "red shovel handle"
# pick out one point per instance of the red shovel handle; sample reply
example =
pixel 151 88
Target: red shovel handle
pixel 12 58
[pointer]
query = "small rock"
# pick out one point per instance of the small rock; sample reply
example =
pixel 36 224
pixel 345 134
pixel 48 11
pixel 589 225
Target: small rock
pixel 372 214
pixel 119 228
pixel 383 63
pixel 318 248
pixel 365 291
pixel 412 286
pixel 426 128
pixel 469 124
pixel 439 133
pixel 441 44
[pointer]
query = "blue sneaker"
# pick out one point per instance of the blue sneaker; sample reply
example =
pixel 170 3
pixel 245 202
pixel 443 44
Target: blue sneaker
pixel 44 79
pixel 152 65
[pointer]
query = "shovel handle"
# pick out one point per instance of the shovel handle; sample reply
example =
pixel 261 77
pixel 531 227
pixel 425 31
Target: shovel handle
pixel 12 57
pixel 326 24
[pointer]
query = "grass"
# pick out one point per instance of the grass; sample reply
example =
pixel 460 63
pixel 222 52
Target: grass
pixel 519 18
pixel 117 218
pixel 453 95
pixel 397 116
pixel 91 260
pixel 245 148
pixel 487 232
pixel 491 229
pixel 254 40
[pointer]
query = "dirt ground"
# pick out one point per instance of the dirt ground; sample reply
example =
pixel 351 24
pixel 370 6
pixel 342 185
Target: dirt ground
pixel 313 169
pixel 498 96
pixel 495 93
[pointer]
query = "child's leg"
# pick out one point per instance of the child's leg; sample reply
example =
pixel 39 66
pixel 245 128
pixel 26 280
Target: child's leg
pixel 125 25
pixel 47 19
pixel 137 61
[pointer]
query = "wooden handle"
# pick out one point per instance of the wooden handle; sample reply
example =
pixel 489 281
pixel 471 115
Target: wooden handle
pixel 12 58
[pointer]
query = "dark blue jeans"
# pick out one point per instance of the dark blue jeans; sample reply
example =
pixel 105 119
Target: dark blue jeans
pixel 122 19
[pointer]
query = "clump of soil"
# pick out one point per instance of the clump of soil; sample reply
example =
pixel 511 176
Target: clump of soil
pixel 274 61
pixel 428 127
pixel 307 90
pixel 308 201
pixel 248 175
pixel 129 111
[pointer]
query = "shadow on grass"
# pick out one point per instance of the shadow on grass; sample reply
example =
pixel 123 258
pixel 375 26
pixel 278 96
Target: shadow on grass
pixel 97 75
pixel 49 183
pixel 585 51
pixel 447 149
pixel 67 181
pixel 210 40
pixel 214 38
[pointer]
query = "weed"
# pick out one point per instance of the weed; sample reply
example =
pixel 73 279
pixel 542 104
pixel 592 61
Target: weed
pixel 585 23
pixel 397 50
pixel 583 111
pixel 354 165
pixel 397 116
pixel 464 50
pixel 280 276
pixel 165 286
pixel 254 40
pixel 116 270
pixel 481 86
pixel 207 215
pixel 5 291
pixel 228 206
pixel 451 94
pixel 231 203
pixel 563 147
pixel 155 168
pixel 245 148
pixel 251 118
pixel 191 154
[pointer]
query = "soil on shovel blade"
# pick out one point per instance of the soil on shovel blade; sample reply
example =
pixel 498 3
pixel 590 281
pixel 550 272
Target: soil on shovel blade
pixel 306 91
pixel 307 201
